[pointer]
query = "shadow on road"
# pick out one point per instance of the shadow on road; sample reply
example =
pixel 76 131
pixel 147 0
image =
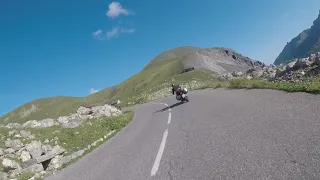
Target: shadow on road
pixel 170 107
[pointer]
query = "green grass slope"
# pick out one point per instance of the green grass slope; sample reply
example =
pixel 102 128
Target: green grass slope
pixel 161 70
pixel 172 54
pixel 42 108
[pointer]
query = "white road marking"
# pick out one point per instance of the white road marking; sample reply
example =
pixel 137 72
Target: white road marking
pixel 159 155
pixel 169 118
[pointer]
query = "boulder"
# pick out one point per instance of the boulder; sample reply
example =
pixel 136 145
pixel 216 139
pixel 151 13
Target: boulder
pixel 72 123
pixel 9 165
pixel 250 71
pixel 58 150
pixel 56 162
pixel 239 74
pixel 36 168
pixel 4 176
pixel 25 156
pixel 84 110
pixel 74 155
pixel 15 144
pixel 46 123
pixel 29 163
pixel 35 149
pixel 63 119
pixel 271 70
pixel 14 173
pixel 249 77
pixel 13 126
pixel 299 65
pixel 45 157
pixel 12 133
pixel 9 151
pixel 229 76
pixel 31 124
pixel 46 148
pixel 18 153
pixel 25 134
pixel 257 73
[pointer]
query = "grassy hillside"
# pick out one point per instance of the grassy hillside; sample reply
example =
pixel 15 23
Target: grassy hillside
pixel 42 108
pixel 172 54
pixel 164 68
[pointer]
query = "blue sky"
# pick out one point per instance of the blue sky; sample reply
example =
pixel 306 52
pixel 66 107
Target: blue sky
pixel 60 47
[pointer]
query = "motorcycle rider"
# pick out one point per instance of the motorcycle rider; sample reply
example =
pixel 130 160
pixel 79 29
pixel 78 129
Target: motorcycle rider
pixel 175 88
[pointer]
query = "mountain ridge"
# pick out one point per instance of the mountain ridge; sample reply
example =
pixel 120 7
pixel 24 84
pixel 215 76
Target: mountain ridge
pixel 303 45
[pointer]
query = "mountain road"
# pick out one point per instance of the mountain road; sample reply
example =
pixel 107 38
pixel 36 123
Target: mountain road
pixel 219 134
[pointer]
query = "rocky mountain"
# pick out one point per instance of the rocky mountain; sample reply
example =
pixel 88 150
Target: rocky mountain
pixel 158 74
pixel 298 70
pixel 219 60
pixel 306 43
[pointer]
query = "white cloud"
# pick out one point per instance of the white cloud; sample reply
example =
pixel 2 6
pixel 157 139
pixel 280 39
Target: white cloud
pixel 124 30
pixel 92 91
pixel 115 9
pixel 112 33
pixel 97 34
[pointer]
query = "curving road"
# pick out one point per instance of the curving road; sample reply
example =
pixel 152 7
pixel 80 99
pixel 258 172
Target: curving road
pixel 219 134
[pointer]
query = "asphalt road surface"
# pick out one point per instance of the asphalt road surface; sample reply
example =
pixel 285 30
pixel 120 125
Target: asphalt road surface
pixel 219 134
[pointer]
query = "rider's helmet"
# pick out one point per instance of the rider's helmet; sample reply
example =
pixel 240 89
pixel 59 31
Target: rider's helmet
pixel 172 85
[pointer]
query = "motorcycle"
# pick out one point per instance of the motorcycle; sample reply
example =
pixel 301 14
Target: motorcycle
pixel 182 95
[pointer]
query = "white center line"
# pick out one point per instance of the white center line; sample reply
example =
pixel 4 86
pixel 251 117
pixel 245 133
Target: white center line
pixel 159 155
pixel 169 118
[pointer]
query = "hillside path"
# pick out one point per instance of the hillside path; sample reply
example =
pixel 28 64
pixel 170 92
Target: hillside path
pixel 219 134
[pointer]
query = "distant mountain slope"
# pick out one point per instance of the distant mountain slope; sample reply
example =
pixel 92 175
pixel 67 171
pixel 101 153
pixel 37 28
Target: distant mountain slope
pixel 306 43
pixel 219 60
pixel 162 69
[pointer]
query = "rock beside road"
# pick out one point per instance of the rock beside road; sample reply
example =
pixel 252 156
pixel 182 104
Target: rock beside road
pixel 84 113
pixel 37 157
pixel 296 71
pixel 71 121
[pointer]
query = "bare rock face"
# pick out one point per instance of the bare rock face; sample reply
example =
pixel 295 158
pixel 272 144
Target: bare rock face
pixel 219 60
